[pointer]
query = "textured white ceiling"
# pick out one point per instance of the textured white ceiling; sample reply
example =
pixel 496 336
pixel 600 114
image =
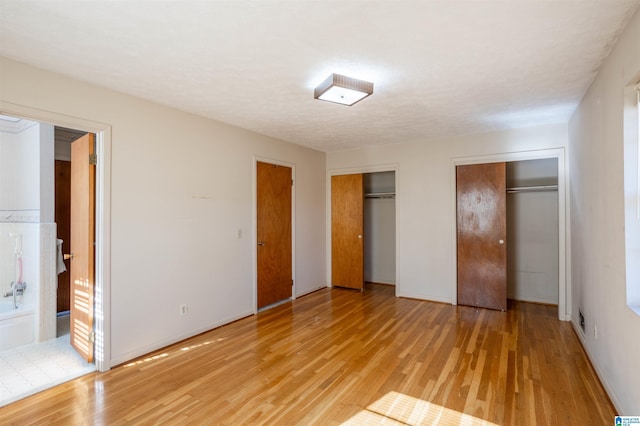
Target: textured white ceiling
pixel 440 68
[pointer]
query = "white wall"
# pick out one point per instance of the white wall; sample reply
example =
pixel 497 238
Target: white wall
pixel 181 187
pixel 597 221
pixel 424 207
pixel 20 172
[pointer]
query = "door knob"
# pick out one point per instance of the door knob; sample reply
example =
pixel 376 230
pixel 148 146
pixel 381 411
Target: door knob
pixel 359 236
pixel 67 256
pixel 501 241
pixel 261 243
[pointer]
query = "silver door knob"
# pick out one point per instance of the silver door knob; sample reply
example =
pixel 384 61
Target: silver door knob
pixel 359 236
pixel 501 241
pixel 261 243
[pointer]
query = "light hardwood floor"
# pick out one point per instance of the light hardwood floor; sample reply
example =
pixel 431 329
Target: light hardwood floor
pixel 341 356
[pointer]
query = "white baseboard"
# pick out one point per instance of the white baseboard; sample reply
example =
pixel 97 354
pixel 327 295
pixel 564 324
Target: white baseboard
pixel 607 387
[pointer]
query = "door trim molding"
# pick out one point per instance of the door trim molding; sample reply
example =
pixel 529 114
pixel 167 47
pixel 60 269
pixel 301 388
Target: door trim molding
pixel 564 237
pixel 254 225
pixel 102 302
pixel 389 167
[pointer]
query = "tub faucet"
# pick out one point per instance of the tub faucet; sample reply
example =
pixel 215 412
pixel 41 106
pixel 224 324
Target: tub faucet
pixel 17 289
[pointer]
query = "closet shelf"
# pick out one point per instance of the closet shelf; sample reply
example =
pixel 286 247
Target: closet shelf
pixel 384 195
pixel 539 188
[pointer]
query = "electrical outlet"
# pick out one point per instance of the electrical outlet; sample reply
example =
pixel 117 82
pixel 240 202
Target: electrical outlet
pixel 595 331
pixel 183 310
pixel 581 321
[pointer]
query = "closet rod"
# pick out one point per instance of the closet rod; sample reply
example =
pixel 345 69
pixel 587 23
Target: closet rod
pixel 539 188
pixel 380 195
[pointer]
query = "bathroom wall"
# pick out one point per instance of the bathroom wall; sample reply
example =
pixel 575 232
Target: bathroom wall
pixel 30 243
pixel 26 215
pixel 20 171
pixel 26 172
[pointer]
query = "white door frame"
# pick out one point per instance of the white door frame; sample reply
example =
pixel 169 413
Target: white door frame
pixel 254 237
pixel 391 167
pixel 102 301
pixel 564 271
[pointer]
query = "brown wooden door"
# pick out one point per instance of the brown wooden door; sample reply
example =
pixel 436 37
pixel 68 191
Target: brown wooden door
pixel 274 233
pixel 82 245
pixel 347 231
pixel 482 235
pixel 63 221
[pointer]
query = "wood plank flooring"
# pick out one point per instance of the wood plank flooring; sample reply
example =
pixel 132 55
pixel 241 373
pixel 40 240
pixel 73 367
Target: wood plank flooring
pixel 343 357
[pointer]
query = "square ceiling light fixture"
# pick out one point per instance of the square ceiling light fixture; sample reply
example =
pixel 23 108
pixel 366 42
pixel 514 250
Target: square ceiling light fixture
pixel 343 90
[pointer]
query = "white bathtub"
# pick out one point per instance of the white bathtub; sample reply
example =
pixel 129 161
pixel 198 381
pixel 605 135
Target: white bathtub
pixel 16 325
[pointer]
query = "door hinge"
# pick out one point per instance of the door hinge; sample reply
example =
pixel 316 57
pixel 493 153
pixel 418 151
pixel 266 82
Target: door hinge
pixel 291 283
pixel 291 182
pixel 93 159
pixel 92 337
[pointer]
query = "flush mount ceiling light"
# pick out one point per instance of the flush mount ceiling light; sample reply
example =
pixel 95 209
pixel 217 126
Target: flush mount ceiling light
pixel 343 90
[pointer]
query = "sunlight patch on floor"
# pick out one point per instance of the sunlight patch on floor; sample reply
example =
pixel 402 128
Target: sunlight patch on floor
pixel 165 354
pixel 199 345
pixel 399 409
pixel 146 360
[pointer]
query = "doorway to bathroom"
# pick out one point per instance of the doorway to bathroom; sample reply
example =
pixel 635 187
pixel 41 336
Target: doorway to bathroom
pixel 61 317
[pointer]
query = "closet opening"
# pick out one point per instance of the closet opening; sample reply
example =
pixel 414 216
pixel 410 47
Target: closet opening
pixel 380 228
pixel 508 232
pixel 532 231
pixel 363 230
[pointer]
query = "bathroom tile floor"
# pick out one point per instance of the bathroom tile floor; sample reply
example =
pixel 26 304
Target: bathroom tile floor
pixel 29 369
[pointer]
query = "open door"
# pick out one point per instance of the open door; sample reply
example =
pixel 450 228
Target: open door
pixel 82 245
pixel 347 229
pixel 274 251
pixel 482 235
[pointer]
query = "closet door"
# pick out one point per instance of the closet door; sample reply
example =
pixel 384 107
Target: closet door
pixel 347 228
pixel 274 250
pixel 482 235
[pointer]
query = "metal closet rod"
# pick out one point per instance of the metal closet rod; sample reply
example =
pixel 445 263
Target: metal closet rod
pixel 380 195
pixel 539 188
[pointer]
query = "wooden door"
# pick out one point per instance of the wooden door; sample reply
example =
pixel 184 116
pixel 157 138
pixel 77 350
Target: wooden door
pixel 482 235
pixel 82 245
pixel 347 231
pixel 63 221
pixel 274 252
